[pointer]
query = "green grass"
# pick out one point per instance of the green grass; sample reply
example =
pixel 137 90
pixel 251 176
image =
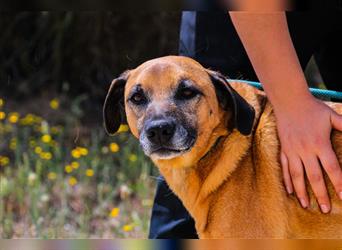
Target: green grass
pixel 61 179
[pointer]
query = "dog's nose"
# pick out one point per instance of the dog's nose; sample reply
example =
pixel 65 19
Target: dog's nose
pixel 160 132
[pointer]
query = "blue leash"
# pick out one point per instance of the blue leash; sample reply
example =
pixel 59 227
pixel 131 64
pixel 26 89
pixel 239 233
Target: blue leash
pixel 323 93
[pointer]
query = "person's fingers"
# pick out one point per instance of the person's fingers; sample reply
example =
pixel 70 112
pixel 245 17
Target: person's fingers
pixel 336 121
pixel 315 176
pixel 298 179
pixel 286 173
pixel 331 165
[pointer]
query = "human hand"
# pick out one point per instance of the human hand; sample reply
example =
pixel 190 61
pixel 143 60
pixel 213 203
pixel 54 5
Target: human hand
pixel 304 130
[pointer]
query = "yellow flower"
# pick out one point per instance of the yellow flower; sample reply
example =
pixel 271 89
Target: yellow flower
pixel 2 102
pixel 37 119
pixel 68 169
pixel 75 153
pixel 13 144
pixel 4 161
pixel 38 150
pixel 83 151
pixel 54 103
pixel 13 117
pixel 53 143
pixel 133 157
pixel 115 212
pixel 72 181
pixel 78 152
pixel 128 227
pixel 114 147
pixel 89 172
pixel 2 115
pixel 27 120
pixel 32 143
pixel 45 155
pixel 55 129
pixel 52 176
pixel 46 138
pixel 123 128
pixel 75 165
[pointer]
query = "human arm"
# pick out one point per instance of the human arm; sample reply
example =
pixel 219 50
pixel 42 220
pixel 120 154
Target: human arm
pixel 304 123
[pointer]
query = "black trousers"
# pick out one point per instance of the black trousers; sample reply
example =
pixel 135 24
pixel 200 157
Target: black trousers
pixel 211 39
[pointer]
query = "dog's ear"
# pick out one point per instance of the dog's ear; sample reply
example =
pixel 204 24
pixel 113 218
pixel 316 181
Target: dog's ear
pixel 114 105
pixel 242 113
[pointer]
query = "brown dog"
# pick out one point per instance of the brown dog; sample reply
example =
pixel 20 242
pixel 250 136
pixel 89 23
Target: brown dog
pixel 216 145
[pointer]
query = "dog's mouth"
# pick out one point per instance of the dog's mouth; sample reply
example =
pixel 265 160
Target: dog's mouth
pixel 169 153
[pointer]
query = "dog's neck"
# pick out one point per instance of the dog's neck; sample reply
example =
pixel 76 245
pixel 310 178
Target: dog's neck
pixel 193 185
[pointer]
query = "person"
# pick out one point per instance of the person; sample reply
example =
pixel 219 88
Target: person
pixel 274 49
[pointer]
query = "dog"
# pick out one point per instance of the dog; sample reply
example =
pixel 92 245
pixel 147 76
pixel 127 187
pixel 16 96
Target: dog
pixel 216 145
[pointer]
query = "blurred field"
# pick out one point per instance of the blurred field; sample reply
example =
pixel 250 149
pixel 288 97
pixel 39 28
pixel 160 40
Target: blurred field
pixel 60 179
pixel 61 176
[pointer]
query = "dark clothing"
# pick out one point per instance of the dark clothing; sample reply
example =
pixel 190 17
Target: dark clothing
pixel 169 218
pixel 211 39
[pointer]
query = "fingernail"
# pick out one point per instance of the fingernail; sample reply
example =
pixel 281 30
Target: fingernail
pixel 340 194
pixel 289 190
pixel 324 208
pixel 303 202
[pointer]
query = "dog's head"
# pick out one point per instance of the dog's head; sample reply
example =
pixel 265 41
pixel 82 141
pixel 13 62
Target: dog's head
pixel 176 108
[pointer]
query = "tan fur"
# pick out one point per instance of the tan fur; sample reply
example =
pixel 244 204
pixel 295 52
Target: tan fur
pixel 236 189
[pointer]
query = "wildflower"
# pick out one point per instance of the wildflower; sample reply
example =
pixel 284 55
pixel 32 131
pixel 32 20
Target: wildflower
pixel 128 227
pixel 133 157
pixel 45 155
pixel 45 198
pixel 46 138
pixel 89 172
pixel 31 178
pixel 104 150
pixel 27 120
pixel 38 150
pixel 4 161
pixel 37 119
pixel 52 176
pixel 68 169
pixel 2 102
pixel 2 115
pixel 13 144
pixel 75 153
pixel 55 129
pixel 75 165
pixel 123 128
pixel 115 212
pixel 72 181
pixel 147 202
pixel 114 147
pixel 124 192
pixel 32 143
pixel 83 151
pixel 54 103
pixel 13 117
pixel 53 143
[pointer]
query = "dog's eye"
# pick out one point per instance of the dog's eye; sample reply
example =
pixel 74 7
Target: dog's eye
pixel 186 93
pixel 138 98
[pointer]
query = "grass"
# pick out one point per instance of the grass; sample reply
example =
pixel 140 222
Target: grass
pixel 59 179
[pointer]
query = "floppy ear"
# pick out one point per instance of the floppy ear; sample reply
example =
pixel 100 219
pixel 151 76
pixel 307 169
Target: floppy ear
pixel 242 113
pixel 114 105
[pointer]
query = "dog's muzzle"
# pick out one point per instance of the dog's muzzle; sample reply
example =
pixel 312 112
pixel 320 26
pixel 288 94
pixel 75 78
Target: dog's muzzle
pixel 165 138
